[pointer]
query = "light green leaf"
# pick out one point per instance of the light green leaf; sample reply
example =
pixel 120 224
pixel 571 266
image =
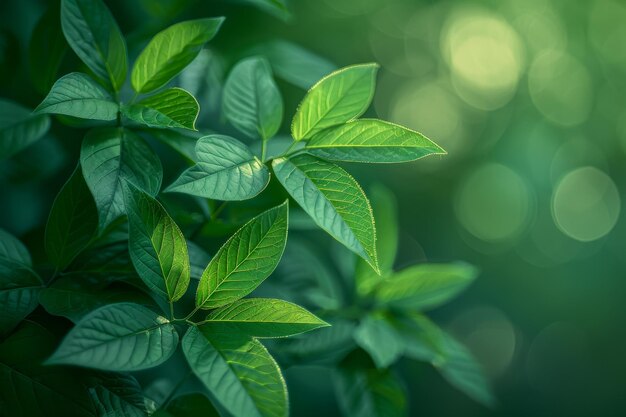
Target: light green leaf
pixel 225 170
pixel 157 246
pixel 264 317
pixel 295 64
pixel 11 249
pixel 72 222
pixel 370 393
pixel 19 128
pixel 108 157
pixel 245 260
pixel 77 95
pixel 252 102
pixel 117 395
pixel 170 51
pixel 238 371
pixel 373 141
pixel 173 107
pixel 333 199
pixel 118 337
pixel 93 34
pixel 425 341
pixel 384 206
pixel 425 286
pixel 337 98
pixel 378 338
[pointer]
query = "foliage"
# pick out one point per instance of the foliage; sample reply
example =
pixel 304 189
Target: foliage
pixel 121 268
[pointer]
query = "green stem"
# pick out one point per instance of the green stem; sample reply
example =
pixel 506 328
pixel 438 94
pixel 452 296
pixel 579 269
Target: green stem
pixel 263 150
pixel 172 311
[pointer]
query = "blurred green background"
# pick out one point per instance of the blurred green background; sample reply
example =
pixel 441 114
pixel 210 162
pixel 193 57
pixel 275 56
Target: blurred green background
pixel 528 98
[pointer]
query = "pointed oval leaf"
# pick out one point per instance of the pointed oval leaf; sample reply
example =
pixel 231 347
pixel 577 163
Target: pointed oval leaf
pixel 264 317
pixel 379 339
pixel 337 98
pixel 225 170
pixel 333 199
pixel 78 95
pixel 118 337
pixel 425 286
pixel 91 31
pixel 173 107
pixel 238 371
pixel 170 51
pixel 110 156
pixel 252 102
pixel 245 260
pixel 19 128
pixel 72 222
pixel 117 395
pixel 11 249
pixel 371 141
pixel 157 246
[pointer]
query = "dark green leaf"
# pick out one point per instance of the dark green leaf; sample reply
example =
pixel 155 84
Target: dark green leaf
pixel 170 51
pixel 337 98
pixel 118 395
pixel 378 338
pixel 252 102
pixel 238 371
pixel 425 286
pixel 118 337
pixel 264 317
pixel 19 128
pixel 77 95
pixel 198 259
pixel 157 246
pixel 93 34
pixel 192 405
pixel 245 260
pixel 11 249
pixel 373 141
pixel 173 107
pixel 110 156
pixel 370 393
pixel 225 170
pixel 46 49
pixel 72 222
pixel 333 199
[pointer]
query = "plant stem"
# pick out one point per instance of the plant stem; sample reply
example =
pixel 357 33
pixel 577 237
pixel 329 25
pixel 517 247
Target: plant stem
pixel 263 150
pixel 172 311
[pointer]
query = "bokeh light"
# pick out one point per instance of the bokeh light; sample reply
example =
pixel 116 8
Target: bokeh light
pixel 586 204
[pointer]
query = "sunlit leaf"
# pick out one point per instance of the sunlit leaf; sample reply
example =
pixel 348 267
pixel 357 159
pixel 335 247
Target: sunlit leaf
pixel 333 199
pixel 173 107
pixel 337 98
pixel 118 337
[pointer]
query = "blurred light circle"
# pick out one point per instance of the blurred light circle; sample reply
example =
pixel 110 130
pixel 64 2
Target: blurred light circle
pixel 493 203
pixel 560 88
pixel 586 204
pixel 542 29
pixel 431 110
pixel 607 31
pixel 574 153
pixel 486 58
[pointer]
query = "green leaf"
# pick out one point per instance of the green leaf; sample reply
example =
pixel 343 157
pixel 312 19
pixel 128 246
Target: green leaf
pixel 385 208
pixel 277 8
pixel 182 141
pixel 30 389
pixel 333 199
pixel 425 341
pixel 46 49
pixel 378 338
pixel 11 249
pixel 110 156
pixel 370 393
pixel 337 98
pixel 170 51
pixel 192 405
pixel 19 128
pixel 173 107
pixel 77 95
pixel 245 260
pixel 373 141
pixel 157 246
pixel 238 371
pixel 74 298
pixel 118 337
pixel 91 31
pixel 19 290
pixel 225 170
pixel 295 64
pixel 425 286
pixel 118 395
pixel 72 222
pixel 252 102
pixel 264 317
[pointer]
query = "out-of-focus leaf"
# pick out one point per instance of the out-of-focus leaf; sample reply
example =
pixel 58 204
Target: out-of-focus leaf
pixel 378 338
pixel 19 128
pixel 46 49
